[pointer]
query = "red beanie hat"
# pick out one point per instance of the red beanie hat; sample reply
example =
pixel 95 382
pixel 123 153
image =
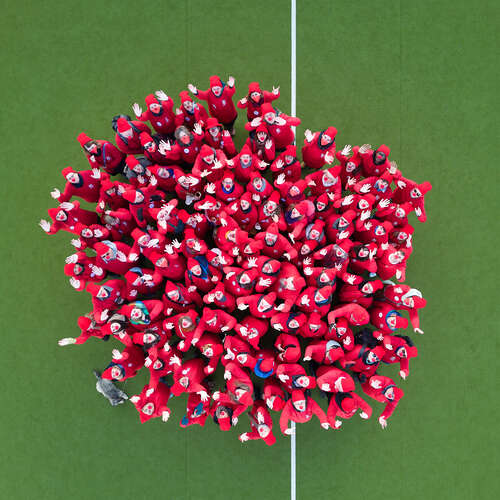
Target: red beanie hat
pixel 184 95
pixel 384 149
pixel 314 319
pixel 123 125
pixel 252 246
pixel 323 198
pixel 272 228
pixel 66 171
pixel 348 404
pixel 212 122
pixel 331 132
pixel 290 150
pixel 345 244
pixel 298 395
pixel 131 161
pixel 145 138
pixel 151 99
pixel 400 321
pixel 261 128
pixel 224 423
pixel 170 286
pixel 83 139
pixel 93 288
pixel 206 150
pixel 275 196
pixel 215 81
pixel 129 195
pixel 254 87
pixel 267 361
pixel 84 323
pixel 245 150
pixel 267 108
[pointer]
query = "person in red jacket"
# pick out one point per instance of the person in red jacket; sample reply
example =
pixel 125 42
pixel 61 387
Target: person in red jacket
pixel 251 330
pixel 82 269
pixel 301 408
pixel 225 189
pixel 259 305
pixel 412 192
pixel 189 378
pixel 261 425
pixel 152 151
pixel 325 352
pixel 293 376
pixel 245 163
pixel 374 162
pixel 239 389
pixel 405 298
pixel 186 147
pixel 159 113
pixel 106 298
pixel 319 148
pixel 244 212
pixel 102 154
pixel 384 390
pixel 350 162
pixel 288 164
pixel 275 244
pixel 358 290
pixel 288 348
pixel 89 328
pixel 185 326
pixel 256 98
pixel 362 258
pixel 128 135
pixel 218 138
pixel 315 300
pixel 325 181
pixel 113 256
pixel 273 394
pixel 125 365
pixel 151 403
pixel 261 143
pixel 220 298
pixel 399 349
pixel 161 361
pixel 85 184
pixel 392 262
pixel 386 318
pixel 363 360
pixel 67 216
pixel 190 112
pixel 141 200
pixel 219 98
pixel 345 405
pixel 211 347
pixel 179 298
pixel 143 313
pixel 196 411
pixel 278 125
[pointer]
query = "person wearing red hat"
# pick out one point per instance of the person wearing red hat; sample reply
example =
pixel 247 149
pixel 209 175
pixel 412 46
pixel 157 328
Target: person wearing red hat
pixel 395 213
pixel 370 230
pixel 353 313
pixel 261 143
pixel 179 298
pixel 297 217
pixel 268 269
pixel 324 352
pixel 152 403
pixel 215 321
pixel 273 394
pixel 340 227
pixel 362 258
pixel 350 163
pixel 221 298
pixel 218 138
pixel 384 390
pixel 314 327
pixel 288 164
pixel 345 405
pixel 225 189
pixel 106 298
pixel 243 212
pixel 151 150
pixel 361 204
pixel 198 275
pixel 399 349
pixel 222 413
pixel 319 276
pixel 219 98
pixel 291 192
pixel 113 256
pixel 288 286
pixel 160 113
pixel 125 365
pixel 357 290
pixel 288 348
pixel 333 379
pixel 278 125
pixel 240 282
pixel 127 136
pixel 319 148
pixel 412 192
pixel 386 318
pixel 102 154
pixel 251 330
pixel 341 332
pixel 289 322
pixel 324 205
pixel 405 298
pixel 301 408
pixel 260 305
pixel 293 376
pixel 161 361
pixel 261 425
pixel 186 147
pixel 211 347
pixel 141 200
pixel 85 184
pixel 196 411
pixel 315 300
pixel 239 352
pixel 189 378
pixel 363 360
pixel 185 326
pixel 245 163
pixel 145 243
pixel 275 244
pixel 67 216
pixel 325 181
pixel 90 235
pixel 374 162
pixel 143 314
pixel 88 328
pixel 82 270
pixel 271 212
pixel 259 187
pixel 392 262
pixel 190 112
pixel 378 186
pixel 256 98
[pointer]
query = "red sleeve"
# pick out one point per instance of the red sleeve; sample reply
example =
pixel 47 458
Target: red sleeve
pixel 316 409
pixel 363 405
pixel 202 94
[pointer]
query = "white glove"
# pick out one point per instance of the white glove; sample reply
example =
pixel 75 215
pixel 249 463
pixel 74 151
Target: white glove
pixel 165 415
pixel 383 422
pixel 67 341
pixel 55 193
pixel 71 259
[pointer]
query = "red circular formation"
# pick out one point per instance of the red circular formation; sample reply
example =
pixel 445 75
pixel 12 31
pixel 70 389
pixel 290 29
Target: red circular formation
pixel 275 272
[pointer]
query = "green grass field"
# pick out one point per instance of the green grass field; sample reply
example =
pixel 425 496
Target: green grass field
pixel 418 76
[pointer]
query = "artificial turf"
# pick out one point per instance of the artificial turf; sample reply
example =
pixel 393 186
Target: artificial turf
pixel 418 76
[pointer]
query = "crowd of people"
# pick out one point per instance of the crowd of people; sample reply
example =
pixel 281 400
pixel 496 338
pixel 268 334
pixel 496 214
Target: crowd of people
pixel 283 272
